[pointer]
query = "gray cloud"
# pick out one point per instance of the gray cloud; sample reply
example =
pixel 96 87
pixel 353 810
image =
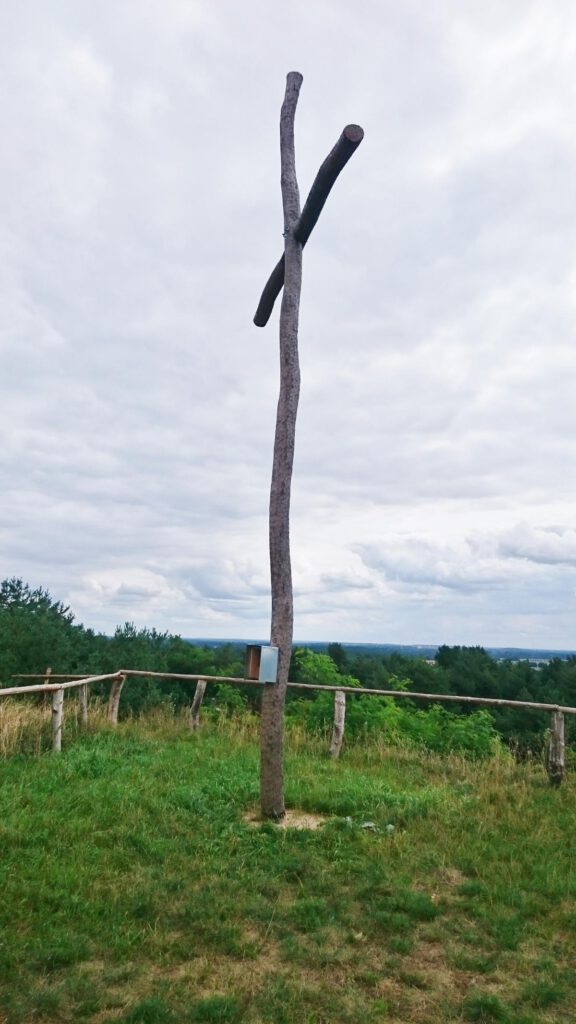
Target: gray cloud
pixel 548 546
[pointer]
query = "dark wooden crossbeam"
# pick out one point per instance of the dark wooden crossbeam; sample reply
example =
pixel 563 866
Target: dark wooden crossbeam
pixel 335 161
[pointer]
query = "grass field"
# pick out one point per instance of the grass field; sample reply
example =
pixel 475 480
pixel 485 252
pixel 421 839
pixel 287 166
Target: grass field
pixel 135 890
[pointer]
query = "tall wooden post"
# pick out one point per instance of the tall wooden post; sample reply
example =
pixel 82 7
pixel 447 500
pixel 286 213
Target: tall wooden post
pixel 288 273
pixel 274 695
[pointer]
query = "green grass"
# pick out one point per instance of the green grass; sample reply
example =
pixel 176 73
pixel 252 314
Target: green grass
pixel 134 890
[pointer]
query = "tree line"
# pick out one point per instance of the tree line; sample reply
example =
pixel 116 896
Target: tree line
pixel 37 631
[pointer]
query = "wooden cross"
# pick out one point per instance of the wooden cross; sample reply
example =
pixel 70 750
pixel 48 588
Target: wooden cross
pixel 287 274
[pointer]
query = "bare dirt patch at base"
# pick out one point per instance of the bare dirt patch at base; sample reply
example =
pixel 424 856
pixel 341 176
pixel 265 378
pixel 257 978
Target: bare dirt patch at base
pixel 293 818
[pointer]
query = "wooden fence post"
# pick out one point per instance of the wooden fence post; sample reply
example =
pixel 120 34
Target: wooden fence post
pixel 194 716
pixel 114 699
pixel 46 680
pixel 339 719
pixel 57 718
pixel 556 751
pixel 83 701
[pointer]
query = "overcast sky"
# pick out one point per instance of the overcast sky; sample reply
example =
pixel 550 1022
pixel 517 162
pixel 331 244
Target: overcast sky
pixel 434 491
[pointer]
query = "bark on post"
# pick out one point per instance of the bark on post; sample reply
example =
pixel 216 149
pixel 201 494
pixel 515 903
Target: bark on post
pixel 83 701
pixel 114 699
pixel 556 751
pixel 339 720
pixel 274 694
pixel 57 718
pixel 335 161
pixel 288 272
pixel 197 704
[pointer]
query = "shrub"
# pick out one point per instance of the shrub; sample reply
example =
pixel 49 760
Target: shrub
pixel 434 728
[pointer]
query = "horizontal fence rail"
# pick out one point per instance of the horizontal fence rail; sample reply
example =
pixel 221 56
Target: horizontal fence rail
pixel 238 681
pixel 13 691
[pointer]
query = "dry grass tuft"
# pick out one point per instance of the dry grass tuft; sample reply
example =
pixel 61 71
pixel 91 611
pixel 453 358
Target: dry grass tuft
pixel 25 723
pixel 22 725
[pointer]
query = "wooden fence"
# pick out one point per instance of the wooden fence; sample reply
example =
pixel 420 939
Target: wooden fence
pixel 556 752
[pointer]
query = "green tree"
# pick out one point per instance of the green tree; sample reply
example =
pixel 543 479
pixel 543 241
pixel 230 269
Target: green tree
pixel 339 656
pixel 35 631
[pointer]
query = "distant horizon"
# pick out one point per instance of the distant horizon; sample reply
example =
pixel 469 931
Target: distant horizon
pixel 384 644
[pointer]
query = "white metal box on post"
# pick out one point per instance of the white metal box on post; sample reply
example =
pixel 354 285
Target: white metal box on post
pixel 261 663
